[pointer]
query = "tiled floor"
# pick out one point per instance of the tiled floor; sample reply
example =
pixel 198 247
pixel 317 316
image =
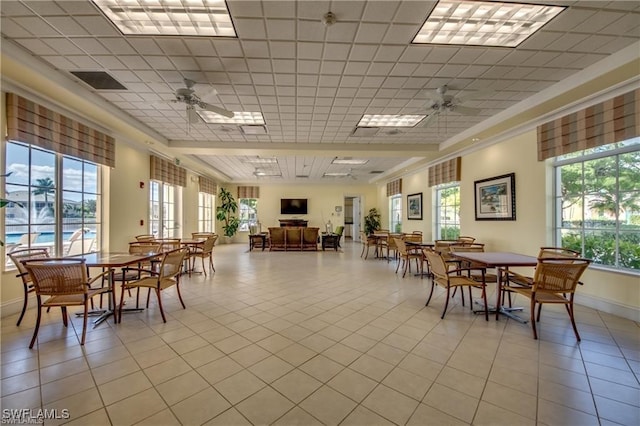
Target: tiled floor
pixel 323 338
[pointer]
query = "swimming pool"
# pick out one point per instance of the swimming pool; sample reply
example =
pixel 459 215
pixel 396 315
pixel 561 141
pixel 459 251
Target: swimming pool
pixel 46 237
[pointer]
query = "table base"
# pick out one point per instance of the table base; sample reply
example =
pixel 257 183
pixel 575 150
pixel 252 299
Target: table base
pixel 507 312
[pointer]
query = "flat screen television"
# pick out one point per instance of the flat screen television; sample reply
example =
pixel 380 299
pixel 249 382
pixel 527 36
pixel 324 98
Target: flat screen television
pixel 293 206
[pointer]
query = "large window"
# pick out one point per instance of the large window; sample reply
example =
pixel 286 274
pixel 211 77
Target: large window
pixel 248 213
pixel 164 210
pixel 205 212
pixel 598 204
pixel 55 201
pixel 448 211
pixel 395 213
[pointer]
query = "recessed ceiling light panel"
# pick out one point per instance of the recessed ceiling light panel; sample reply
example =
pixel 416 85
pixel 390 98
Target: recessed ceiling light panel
pixel 383 120
pixel 208 18
pixel 335 174
pixel 261 160
pixel 481 23
pixel 349 161
pixel 252 118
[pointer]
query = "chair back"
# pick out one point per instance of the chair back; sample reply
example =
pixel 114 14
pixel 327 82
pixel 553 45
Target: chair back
pixel 417 238
pixel 466 240
pixel 58 276
pixel 547 252
pixel 18 256
pixel 168 244
pixel 558 275
pixel 145 237
pixel 207 247
pixel 143 247
pixel 339 230
pixel 437 264
pixel 400 245
pixel 28 239
pixel 196 235
pixel 171 264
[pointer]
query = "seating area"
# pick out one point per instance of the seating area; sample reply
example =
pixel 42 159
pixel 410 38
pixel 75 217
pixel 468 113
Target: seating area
pixel 293 238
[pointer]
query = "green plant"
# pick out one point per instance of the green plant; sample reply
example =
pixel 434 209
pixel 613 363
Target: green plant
pixel 225 212
pixel 372 221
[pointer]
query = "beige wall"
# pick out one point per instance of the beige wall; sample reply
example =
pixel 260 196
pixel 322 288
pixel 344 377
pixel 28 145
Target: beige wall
pixel 414 184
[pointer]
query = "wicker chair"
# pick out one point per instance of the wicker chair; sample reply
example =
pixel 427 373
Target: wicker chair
pixel 203 252
pixel 66 283
pixel 203 235
pixel 466 240
pixel 406 255
pixel 449 279
pixel 555 281
pixel 17 256
pixel 145 237
pixel 367 242
pixel 167 275
pixel 168 244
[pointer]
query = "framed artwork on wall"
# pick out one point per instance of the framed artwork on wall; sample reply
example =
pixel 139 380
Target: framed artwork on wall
pixel 495 198
pixel 414 206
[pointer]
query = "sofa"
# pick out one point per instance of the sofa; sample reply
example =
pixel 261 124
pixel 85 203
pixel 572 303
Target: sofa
pixel 293 238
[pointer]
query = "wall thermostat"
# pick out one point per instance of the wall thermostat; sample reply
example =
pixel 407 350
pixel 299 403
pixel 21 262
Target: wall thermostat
pixel 338 209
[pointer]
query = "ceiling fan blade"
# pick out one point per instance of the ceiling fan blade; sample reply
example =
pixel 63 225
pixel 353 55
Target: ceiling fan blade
pixel 480 94
pixel 192 115
pixel 428 119
pixel 465 110
pixel 217 110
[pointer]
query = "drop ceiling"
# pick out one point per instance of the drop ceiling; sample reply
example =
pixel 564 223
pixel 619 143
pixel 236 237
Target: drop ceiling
pixel 312 83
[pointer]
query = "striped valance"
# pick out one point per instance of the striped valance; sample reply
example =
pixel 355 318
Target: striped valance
pixel 608 122
pixel 207 185
pixel 167 172
pixel 394 187
pixel 248 192
pixel 35 124
pixel 445 172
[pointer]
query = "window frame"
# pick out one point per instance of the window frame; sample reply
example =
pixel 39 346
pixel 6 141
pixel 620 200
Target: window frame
pixel 438 223
pixel 206 212
pixel 395 201
pixel 245 223
pixel 169 204
pixel 582 157
pixel 63 191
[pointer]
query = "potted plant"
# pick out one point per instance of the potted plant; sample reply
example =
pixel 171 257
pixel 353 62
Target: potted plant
pixel 225 212
pixel 372 221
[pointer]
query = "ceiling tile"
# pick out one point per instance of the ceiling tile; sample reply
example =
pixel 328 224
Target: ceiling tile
pixel 250 28
pixel 371 33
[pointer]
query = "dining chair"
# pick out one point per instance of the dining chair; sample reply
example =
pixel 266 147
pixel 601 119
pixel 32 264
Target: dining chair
pixel 130 273
pixel 554 281
pixel 168 244
pixel 466 240
pixel 406 255
pixel 145 237
pixel 165 276
pixel 475 271
pixel 203 235
pixel 449 279
pixel 17 257
pixel 367 242
pixel 65 282
pixel 392 247
pixel 203 252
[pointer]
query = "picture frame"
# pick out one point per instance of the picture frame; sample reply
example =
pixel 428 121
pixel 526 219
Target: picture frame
pixel 495 198
pixel 414 206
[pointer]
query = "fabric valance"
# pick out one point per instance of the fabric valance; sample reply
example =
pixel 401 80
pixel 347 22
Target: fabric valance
pixel 167 172
pixel 248 192
pixel 394 187
pixel 207 185
pixel 611 121
pixel 35 124
pixel 445 172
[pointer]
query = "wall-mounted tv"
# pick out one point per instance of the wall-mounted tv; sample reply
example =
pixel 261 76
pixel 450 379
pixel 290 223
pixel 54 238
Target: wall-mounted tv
pixel 293 206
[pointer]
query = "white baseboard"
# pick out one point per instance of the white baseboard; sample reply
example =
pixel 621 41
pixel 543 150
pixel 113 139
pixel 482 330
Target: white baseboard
pixel 625 311
pixel 15 306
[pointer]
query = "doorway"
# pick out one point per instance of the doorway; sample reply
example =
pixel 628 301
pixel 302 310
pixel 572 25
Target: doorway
pixel 352 217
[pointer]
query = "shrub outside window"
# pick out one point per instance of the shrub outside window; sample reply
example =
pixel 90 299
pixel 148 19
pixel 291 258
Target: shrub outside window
pixel 448 211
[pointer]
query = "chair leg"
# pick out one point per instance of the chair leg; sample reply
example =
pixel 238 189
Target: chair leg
pixel 398 265
pixel 204 270
pixel 35 331
pixel 119 313
pixel 484 299
pixel 433 284
pixel 446 302
pixel 65 320
pixel 180 295
pixel 84 321
pixel 540 311
pixel 571 316
pixel 160 304
pixel 533 312
pixel 24 303
pixel 211 263
pixel 462 295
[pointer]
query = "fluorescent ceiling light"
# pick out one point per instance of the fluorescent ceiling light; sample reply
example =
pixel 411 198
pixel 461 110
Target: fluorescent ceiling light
pixel 481 23
pixel 267 173
pixel 383 120
pixel 261 160
pixel 335 174
pixel 365 131
pixel 169 17
pixel 349 161
pixel 238 118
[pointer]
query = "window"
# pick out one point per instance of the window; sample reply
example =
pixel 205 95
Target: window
pixel 164 221
pixel 205 212
pixel 448 211
pixel 395 213
pixel 55 201
pixel 597 205
pixel 248 213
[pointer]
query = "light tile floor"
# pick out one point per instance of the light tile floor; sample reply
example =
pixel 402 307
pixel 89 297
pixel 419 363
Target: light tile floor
pixel 323 338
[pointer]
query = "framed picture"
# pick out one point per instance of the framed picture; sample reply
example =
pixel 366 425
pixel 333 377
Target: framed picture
pixel 414 206
pixel 495 198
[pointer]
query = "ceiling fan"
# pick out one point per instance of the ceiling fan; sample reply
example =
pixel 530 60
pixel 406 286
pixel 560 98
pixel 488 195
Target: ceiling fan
pixel 188 96
pixel 443 103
